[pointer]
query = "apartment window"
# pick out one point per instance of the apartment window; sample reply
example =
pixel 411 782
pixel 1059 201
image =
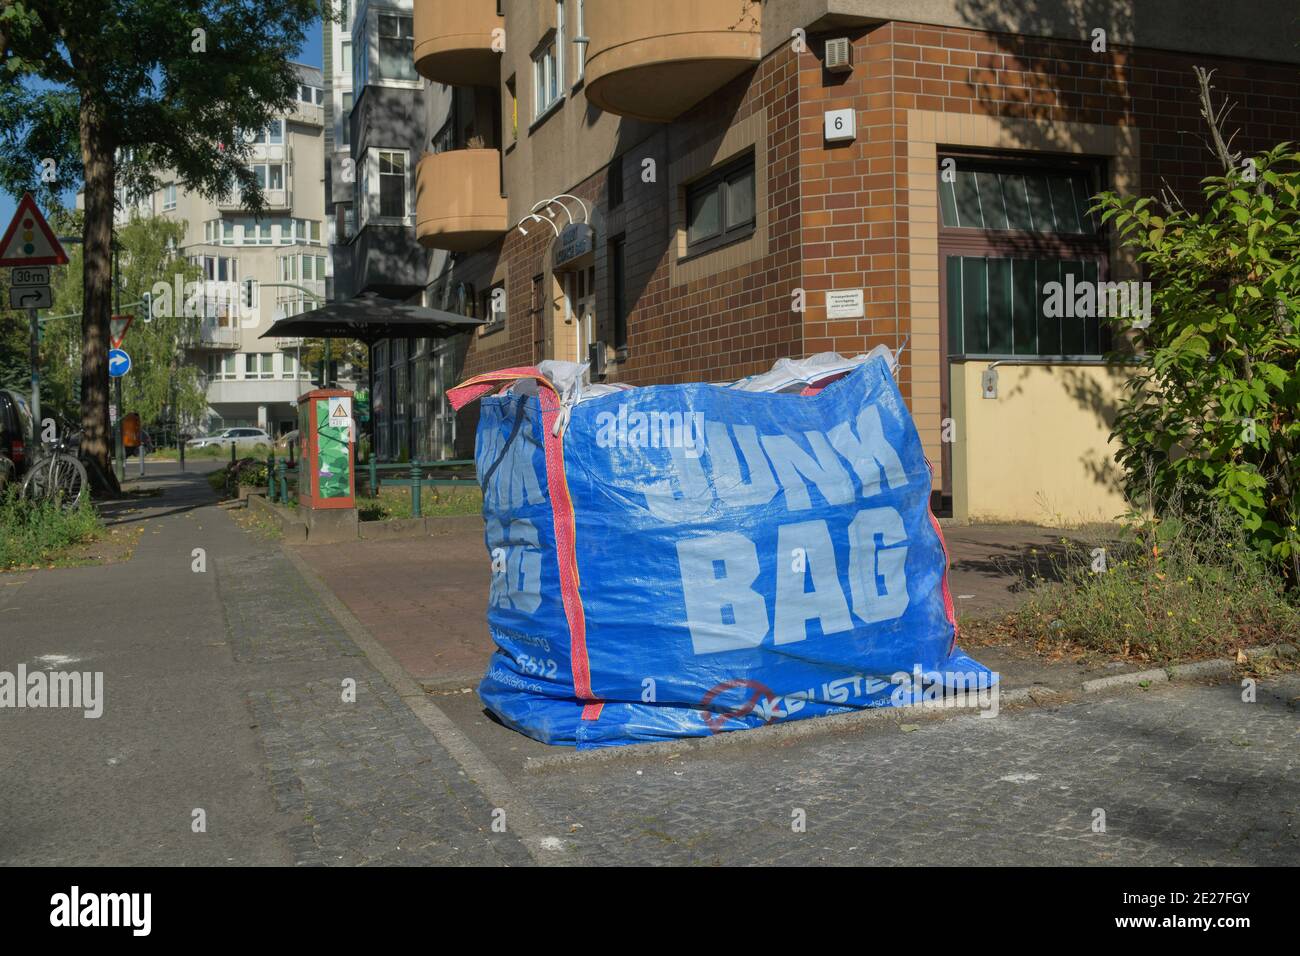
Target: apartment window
pixel 348 221
pixel 396 48
pixel 169 196
pixel 273 134
pixel 269 176
pixel 313 267
pixel 210 230
pixel 618 285
pixel 360 63
pixel 392 183
pixel 345 57
pixel 580 44
pixel 227 232
pixel 260 365
pixel 548 67
pixel 1009 229
pixel 221 367
pixel 514 108
pixel 720 207
pixel 289 369
pixel 345 126
pixel 262 233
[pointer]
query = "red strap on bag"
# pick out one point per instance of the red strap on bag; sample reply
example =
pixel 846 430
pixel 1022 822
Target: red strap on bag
pixel 471 390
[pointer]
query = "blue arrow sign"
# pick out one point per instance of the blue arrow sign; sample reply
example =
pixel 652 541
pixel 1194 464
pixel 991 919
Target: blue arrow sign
pixel 119 363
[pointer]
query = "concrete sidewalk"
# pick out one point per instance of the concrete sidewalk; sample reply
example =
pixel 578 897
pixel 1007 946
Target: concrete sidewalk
pixel 224 693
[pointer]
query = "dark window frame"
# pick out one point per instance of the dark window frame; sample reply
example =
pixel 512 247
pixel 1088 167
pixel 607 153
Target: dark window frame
pixel 971 242
pixel 617 253
pixel 720 179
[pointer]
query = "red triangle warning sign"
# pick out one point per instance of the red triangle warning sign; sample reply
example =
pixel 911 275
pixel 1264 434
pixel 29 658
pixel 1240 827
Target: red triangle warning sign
pixel 28 241
pixel 117 327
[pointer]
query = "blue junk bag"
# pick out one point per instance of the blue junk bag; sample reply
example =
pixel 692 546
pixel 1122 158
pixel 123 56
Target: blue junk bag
pixel 680 560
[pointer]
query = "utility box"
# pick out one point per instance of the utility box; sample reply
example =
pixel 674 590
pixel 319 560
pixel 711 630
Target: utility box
pixel 326 450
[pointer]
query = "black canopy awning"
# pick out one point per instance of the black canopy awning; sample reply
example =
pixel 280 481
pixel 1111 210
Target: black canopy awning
pixel 369 318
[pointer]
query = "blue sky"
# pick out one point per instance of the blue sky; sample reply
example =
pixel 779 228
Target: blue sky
pixel 310 54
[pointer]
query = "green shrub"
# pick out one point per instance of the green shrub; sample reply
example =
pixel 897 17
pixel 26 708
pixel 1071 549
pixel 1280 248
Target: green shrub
pixel 39 532
pixel 246 472
pixel 1214 409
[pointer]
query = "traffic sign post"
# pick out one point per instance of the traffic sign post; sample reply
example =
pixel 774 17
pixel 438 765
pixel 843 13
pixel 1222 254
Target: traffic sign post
pixel 117 329
pixel 119 363
pixel 30 248
pixel 30 297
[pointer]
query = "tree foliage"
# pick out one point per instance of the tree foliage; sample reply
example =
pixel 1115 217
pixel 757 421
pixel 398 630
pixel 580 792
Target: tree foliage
pixel 162 385
pixel 1213 409
pixel 102 94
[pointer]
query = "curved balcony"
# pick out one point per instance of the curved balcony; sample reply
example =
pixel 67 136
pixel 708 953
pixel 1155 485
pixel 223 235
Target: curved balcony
pixel 458 201
pixel 654 61
pixel 453 41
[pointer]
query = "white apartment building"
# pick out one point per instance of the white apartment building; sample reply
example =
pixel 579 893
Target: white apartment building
pixel 253 381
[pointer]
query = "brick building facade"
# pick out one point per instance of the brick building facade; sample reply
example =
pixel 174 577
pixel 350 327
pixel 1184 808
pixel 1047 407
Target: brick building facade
pixel 866 213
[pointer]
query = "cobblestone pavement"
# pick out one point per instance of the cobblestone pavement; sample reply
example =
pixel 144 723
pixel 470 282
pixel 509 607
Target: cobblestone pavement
pixel 1185 774
pixel 365 777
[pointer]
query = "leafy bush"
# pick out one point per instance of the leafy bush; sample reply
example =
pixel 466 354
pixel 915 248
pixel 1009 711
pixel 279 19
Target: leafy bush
pixel 38 532
pixel 1187 584
pixel 1212 413
pixel 246 472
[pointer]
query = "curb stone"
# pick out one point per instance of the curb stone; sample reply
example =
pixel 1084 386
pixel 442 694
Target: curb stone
pixel 1040 696
pixel 1135 678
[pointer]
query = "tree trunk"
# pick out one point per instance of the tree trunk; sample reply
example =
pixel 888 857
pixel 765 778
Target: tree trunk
pixel 97 290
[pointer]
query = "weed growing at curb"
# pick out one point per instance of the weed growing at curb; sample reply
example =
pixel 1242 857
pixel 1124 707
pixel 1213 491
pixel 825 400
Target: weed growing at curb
pixel 41 533
pixel 1183 587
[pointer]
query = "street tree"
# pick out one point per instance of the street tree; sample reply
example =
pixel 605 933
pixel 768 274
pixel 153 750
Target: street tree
pixel 109 95
pixel 162 384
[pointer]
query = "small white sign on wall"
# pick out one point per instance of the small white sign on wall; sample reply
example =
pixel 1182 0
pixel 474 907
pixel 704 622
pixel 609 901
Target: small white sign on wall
pixel 845 304
pixel 841 125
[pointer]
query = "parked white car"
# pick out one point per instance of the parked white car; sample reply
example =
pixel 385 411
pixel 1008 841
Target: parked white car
pixel 240 437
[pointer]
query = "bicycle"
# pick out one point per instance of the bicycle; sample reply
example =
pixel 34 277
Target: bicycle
pixel 56 476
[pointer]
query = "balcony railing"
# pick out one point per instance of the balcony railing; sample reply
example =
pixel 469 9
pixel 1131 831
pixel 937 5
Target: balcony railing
pixel 453 41
pixel 276 199
pixel 654 61
pixel 218 337
pixel 458 201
